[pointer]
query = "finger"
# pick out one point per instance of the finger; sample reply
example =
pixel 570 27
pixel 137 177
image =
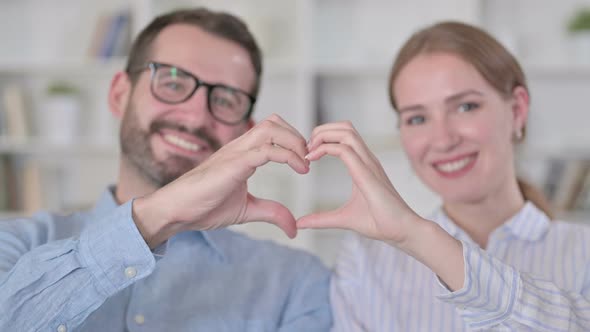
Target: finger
pixel 344 136
pixel 272 212
pixel 270 152
pixel 329 126
pixel 276 118
pixel 331 219
pixel 273 132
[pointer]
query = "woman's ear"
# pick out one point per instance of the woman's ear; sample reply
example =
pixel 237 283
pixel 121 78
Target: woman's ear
pixel 119 94
pixel 520 108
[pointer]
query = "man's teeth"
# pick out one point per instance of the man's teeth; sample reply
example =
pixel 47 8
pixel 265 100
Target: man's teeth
pixel 454 166
pixel 181 143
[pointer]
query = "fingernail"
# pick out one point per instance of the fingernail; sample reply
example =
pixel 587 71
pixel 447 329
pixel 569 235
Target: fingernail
pixel 307 157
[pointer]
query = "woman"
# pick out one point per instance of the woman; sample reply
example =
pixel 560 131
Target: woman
pixel 490 258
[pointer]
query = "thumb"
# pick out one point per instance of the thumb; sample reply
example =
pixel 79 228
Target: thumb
pixel 329 219
pixel 272 212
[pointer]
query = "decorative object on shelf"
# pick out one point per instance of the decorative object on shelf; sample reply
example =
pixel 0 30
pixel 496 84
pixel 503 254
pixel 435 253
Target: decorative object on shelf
pixel 59 114
pixel 579 29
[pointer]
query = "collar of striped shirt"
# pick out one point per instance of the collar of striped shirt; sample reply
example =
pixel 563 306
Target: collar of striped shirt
pixel 529 224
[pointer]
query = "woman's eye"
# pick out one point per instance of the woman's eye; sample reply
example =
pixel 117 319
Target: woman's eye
pixel 466 107
pixel 415 120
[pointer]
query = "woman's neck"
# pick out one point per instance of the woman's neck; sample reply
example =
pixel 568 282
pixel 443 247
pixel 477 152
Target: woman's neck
pixel 479 219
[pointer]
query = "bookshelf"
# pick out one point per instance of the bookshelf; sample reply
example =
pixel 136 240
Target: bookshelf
pixel 325 60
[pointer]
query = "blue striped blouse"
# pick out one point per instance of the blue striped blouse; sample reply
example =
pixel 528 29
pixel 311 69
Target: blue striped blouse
pixel 533 276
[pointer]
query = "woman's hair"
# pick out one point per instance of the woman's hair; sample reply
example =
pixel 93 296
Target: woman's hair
pixel 475 46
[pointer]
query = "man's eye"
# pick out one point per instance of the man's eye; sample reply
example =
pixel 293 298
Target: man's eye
pixel 415 120
pixel 223 102
pixel 466 107
pixel 174 86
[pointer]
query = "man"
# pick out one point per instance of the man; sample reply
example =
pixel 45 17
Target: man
pixel 153 254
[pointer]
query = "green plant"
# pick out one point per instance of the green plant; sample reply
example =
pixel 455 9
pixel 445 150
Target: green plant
pixel 61 88
pixel 580 21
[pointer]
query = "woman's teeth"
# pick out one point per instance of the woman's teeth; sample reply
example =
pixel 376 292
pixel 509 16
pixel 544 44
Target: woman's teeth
pixel 454 166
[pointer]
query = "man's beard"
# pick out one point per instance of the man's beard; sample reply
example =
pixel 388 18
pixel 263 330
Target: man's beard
pixel 136 147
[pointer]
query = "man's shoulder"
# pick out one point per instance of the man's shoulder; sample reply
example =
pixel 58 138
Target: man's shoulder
pixel 46 225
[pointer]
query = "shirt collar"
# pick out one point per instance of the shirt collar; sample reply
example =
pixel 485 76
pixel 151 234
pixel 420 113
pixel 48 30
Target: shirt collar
pixel 215 239
pixel 529 223
pixel 106 202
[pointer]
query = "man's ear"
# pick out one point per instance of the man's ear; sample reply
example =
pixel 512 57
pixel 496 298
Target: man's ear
pixel 119 94
pixel 520 107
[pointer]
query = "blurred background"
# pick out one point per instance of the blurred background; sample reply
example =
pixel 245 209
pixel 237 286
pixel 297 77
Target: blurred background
pixel 325 60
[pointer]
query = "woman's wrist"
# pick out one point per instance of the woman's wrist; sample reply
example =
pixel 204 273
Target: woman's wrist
pixel 430 244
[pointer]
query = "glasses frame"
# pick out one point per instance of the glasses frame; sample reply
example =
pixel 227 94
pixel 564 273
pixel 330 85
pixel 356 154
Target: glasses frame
pixel 153 66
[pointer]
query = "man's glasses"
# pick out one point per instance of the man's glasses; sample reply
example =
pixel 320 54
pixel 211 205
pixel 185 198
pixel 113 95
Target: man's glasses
pixel 172 85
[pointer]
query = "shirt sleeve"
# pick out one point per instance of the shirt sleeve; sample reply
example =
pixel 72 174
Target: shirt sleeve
pixel 59 284
pixel 345 286
pixel 496 296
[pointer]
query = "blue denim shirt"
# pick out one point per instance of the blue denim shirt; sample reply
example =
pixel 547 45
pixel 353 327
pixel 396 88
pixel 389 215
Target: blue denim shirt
pixel 92 271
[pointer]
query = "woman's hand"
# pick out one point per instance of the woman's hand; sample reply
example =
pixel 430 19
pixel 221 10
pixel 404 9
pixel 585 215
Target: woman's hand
pixel 375 209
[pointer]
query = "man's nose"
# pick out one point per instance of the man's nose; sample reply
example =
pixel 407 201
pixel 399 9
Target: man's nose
pixel 196 109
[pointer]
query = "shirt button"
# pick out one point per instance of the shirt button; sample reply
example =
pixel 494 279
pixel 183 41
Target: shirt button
pixel 130 272
pixel 62 328
pixel 139 319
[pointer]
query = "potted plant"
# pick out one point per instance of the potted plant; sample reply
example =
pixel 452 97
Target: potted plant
pixel 579 29
pixel 60 113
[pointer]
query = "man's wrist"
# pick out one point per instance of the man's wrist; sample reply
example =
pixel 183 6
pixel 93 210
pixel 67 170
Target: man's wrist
pixel 150 222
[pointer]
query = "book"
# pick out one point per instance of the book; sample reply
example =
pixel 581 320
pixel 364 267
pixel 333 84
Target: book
pixel 564 182
pixel 111 36
pixel 31 197
pixel 582 199
pixel 14 112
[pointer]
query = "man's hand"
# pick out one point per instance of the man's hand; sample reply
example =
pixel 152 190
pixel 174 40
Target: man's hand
pixel 215 193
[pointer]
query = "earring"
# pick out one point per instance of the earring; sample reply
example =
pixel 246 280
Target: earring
pixel 518 134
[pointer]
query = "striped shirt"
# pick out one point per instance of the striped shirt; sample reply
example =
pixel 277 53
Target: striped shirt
pixel 533 276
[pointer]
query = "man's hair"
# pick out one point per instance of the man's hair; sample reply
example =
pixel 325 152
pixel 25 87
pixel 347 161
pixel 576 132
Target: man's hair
pixel 220 24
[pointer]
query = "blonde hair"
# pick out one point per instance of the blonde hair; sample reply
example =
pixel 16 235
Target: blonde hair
pixel 475 46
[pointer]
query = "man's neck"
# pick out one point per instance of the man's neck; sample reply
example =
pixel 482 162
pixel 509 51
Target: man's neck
pixel 131 184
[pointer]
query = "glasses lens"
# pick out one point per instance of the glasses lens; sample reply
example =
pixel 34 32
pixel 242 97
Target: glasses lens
pixel 229 105
pixel 171 84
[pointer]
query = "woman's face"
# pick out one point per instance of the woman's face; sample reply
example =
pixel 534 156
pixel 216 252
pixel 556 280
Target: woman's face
pixel 456 129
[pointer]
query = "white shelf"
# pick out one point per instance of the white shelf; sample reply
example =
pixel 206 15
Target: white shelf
pixel 365 68
pixel 40 147
pixel 351 68
pixel 581 152
pixel 11 214
pixel 553 71
pixel 62 66
pixel 580 216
